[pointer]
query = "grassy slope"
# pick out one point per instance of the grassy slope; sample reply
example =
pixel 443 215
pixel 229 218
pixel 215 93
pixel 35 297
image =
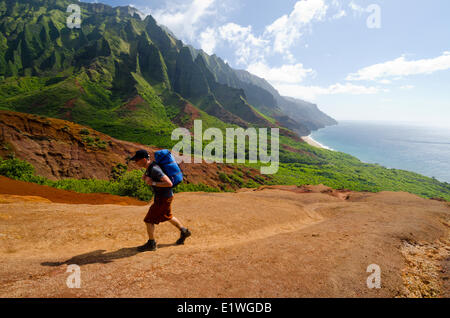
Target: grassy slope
pixel 340 170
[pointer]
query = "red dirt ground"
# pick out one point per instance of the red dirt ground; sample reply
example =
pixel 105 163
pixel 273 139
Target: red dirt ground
pixel 283 241
pixel 9 186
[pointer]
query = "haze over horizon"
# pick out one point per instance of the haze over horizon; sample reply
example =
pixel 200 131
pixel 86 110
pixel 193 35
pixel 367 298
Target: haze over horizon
pixel 357 59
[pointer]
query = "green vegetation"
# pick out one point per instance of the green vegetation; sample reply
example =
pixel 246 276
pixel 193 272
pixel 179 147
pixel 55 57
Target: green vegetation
pixel 124 184
pixel 94 142
pixel 342 171
pixel 84 131
pixel 17 169
pixel 188 187
pixel 235 180
pixel 224 178
pixel 117 171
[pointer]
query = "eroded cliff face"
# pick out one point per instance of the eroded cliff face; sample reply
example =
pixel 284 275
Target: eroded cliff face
pixel 61 149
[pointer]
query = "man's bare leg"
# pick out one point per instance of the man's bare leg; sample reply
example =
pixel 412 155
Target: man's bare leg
pixel 174 221
pixel 151 231
pixel 185 233
pixel 151 244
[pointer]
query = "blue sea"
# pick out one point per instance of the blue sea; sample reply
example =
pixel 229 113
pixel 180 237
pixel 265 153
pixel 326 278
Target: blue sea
pixel 414 147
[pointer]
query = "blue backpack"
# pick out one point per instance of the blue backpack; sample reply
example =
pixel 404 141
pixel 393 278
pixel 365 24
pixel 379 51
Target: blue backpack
pixel 169 166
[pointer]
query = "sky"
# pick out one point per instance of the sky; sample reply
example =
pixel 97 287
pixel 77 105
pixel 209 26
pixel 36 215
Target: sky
pixel 356 59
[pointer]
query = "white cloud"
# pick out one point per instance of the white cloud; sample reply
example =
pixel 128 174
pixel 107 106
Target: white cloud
pixel 208 40
pixel 184 19
pixel 287 30
pixel 337 7
pixel 288 78
pixel 286 74
pixel 339 15
pixel 407 87
pixel 400 67
pixel 198 21
pixel 357 9
pixel 278 37
pixel 311 92
pixel 248 47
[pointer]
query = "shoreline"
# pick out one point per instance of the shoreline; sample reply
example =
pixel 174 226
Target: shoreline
pixel 310 141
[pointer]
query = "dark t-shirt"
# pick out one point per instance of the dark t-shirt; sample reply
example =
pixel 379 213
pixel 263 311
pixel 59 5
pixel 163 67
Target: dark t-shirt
pixel 155 172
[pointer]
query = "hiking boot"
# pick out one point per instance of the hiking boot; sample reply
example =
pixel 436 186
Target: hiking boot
pixel 185 233
pixel 149 246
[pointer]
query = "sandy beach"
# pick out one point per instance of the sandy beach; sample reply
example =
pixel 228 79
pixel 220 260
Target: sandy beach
pixel 313 143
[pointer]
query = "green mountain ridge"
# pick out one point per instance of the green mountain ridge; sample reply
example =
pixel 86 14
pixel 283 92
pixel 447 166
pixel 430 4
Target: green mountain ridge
pixel 296 114
pixel 93 72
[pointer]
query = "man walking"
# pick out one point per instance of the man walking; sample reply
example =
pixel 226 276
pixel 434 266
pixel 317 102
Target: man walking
pixel 160 211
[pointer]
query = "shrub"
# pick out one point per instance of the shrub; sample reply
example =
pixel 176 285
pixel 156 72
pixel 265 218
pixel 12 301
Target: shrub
pixel 82 185
pixel 131 184
pixel 101 144
pixel 251 184
pixel 117 171
pixel 238 180
pixel 189 187
pixel 238 173
pixel 84 131
pixel 88 140
pixel 224 178
pixel 259 179
pixel 15 168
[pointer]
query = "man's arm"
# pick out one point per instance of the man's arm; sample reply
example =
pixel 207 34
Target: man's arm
pixel 164 183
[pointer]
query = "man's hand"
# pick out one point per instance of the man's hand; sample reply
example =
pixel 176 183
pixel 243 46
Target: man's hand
pixel 164 183
pixel 147 179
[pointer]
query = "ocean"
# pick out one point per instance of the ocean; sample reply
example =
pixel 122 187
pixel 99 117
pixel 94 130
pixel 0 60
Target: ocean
pixel 414 147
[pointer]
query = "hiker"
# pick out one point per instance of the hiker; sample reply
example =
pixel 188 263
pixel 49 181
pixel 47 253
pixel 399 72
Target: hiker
pixel 160 210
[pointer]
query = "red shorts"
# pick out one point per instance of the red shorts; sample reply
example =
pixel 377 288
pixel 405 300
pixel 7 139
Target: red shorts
pixel 160 210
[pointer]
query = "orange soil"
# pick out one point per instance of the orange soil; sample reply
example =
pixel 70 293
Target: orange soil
pixel 9 186
pixel 283 241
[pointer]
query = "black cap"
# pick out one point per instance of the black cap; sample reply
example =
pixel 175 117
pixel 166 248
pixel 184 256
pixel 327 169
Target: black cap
pixel 140 154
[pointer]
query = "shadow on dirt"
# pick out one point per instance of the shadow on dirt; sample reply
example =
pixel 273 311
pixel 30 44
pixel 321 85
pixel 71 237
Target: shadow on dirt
pixel 100 257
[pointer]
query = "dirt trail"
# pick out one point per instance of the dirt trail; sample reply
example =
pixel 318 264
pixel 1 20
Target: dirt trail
pixel 280 241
